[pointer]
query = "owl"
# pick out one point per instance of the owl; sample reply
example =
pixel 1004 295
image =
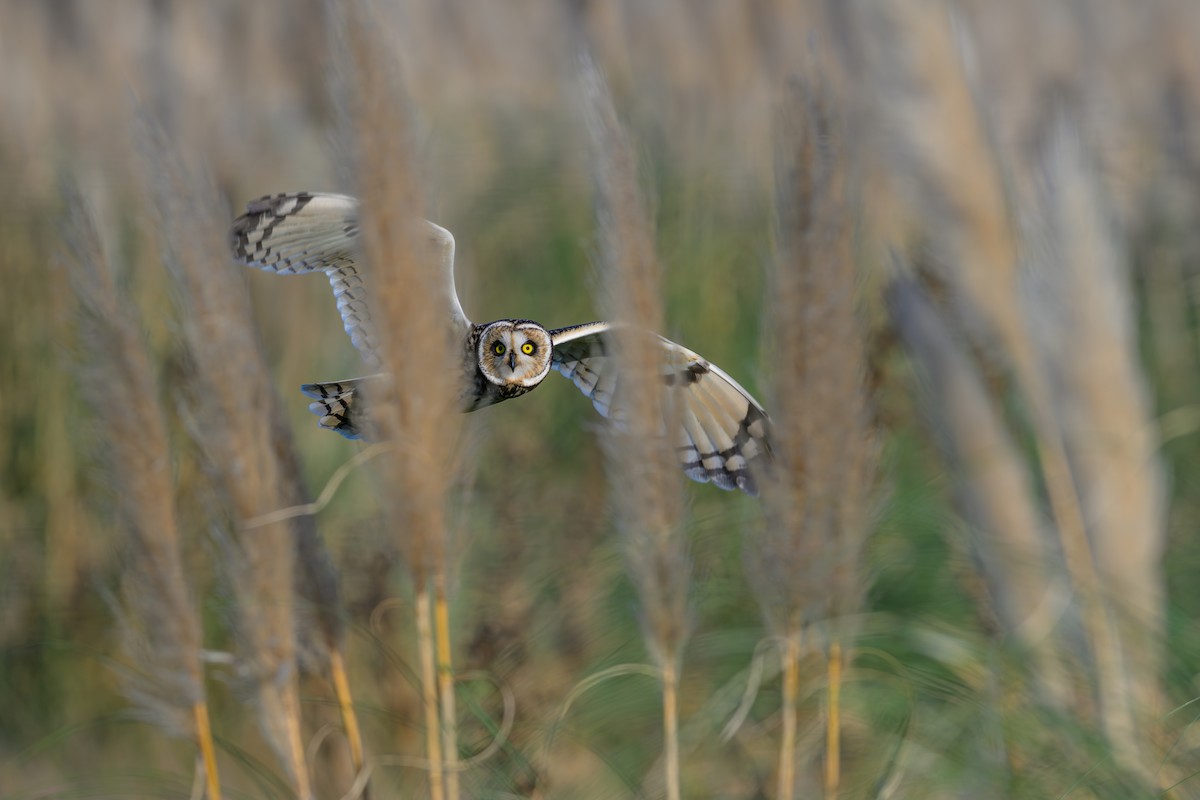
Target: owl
pixel 723 434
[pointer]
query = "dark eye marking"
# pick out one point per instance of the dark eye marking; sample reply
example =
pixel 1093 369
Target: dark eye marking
pixel 498 347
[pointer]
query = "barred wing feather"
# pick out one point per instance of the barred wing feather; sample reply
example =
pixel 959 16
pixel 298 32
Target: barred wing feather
pixel 299 232
pixel 723 435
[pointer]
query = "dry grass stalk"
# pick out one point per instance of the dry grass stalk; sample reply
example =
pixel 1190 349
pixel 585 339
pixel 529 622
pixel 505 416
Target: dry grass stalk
pixel 429 694
pixel 788 718
pixel 643 471
pixel 1086 335
pixel 341 689
pixel 833 726
pixel 445 681
pixel 163 632
pixel 924 91
pixel 942 135
pixel 806 564
pixel 231 402
pixel 415 409
pixel 316 585
pixel 995 492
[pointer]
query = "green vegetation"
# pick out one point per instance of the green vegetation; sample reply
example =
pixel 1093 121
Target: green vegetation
pixel 954 255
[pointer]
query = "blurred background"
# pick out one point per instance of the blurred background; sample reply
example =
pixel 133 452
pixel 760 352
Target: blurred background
pixel 1018 186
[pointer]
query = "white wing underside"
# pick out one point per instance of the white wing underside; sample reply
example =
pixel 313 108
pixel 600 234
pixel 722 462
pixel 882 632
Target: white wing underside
pixel 722 434
pixel 309 232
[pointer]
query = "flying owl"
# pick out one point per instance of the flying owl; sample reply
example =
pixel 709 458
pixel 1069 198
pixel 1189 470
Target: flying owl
pixel 723 435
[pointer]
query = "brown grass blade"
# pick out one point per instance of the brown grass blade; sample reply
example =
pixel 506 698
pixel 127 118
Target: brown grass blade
pixel 1086 335
pixel 415 411
pixel 940 132
pixel 162 631
pixel 231 405
pixel 818 506
pixel 341 688
pixel 833 726
pixel 429 693
pixel 928 105
pixel 643 471
pixel 994 490
pixel 805 566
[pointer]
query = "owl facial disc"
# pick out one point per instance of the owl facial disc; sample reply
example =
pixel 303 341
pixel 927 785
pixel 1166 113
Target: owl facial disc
pixel 515 353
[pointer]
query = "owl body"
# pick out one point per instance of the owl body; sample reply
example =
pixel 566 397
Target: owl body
pixel 500 360
pixel 720 432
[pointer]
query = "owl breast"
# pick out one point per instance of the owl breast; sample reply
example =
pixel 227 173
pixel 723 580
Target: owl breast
pixel 479 392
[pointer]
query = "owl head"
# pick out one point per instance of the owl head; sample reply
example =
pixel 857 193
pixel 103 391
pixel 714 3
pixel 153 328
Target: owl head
pixel 515 352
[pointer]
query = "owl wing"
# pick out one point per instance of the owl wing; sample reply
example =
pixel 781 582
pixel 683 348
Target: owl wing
pixel 309 232
pixel 723 435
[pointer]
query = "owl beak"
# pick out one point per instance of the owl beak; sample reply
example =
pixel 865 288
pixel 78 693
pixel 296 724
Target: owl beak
pixel 512 359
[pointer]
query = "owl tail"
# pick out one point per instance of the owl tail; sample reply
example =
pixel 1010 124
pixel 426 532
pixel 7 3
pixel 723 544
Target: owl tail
pixel 337 405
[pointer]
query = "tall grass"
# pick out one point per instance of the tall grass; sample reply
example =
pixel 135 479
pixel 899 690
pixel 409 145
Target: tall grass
pixel 643 470
pixel 229 410
pixel 1003 194
pixel 807 565
pixel 998 278
pixel 164 675
pixel 413 411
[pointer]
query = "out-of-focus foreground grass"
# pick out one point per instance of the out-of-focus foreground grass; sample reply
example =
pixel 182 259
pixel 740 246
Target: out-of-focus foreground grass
pixel 1018 188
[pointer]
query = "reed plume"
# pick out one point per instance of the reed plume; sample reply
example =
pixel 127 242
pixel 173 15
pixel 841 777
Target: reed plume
pixel 944 145
pixel 643 471
pixel 230 410
pixel 1076 301
pixel 412 410
pixel 806 565
pixel 994 489
pixel 162 629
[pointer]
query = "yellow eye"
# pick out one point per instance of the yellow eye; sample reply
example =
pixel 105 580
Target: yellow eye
pixel 498 348
pixel 528 348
